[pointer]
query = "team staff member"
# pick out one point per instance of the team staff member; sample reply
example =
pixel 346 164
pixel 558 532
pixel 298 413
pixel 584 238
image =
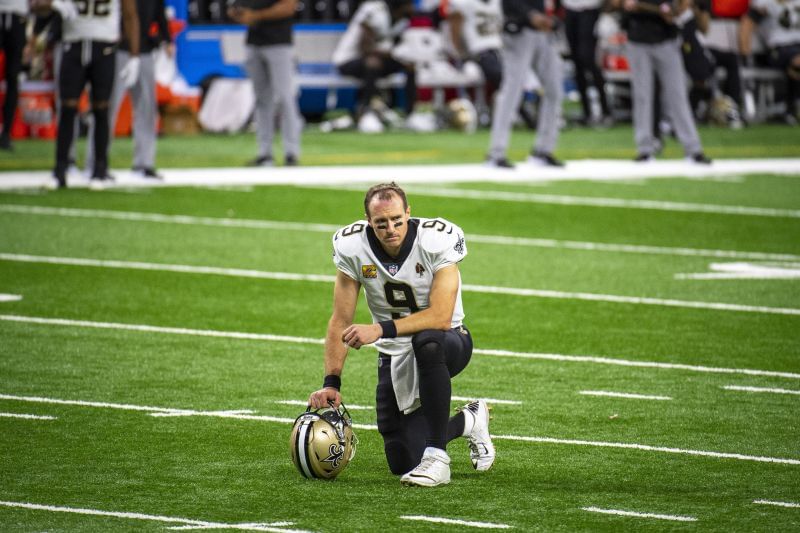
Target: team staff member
pixel 654 52
pixel 91 31
pixel 579 26
pixel 12 38
pixel 143 90
pixel 528 41
pixel 270 65
pixel 409 270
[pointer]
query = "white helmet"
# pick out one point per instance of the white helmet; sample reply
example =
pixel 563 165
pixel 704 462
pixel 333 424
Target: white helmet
pixel 322 442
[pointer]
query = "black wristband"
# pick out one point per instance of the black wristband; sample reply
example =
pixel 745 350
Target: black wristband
pixel 333 381
pixel 388 328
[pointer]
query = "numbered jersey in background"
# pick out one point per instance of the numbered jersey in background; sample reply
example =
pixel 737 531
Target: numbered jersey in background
pixel 396 287
pixel 97 20
pixel 483 23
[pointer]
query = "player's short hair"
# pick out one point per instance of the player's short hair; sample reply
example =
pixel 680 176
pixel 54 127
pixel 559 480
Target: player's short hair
pixel 384 191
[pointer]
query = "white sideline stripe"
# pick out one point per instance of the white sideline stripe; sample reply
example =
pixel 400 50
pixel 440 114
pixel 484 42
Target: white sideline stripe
pixel 291 276
pixel 140 516
pixel 676 518
pixel 761 389
pixel 302 403
pixel 489 400
pixel 165 411
pixel 10 297
pixel 544 440
pixel 779 504
pixel 27 417
pixel 613 298
pixel 645 447
pixel 330 228
pixel 627 362
pixel 306 340
pixel 456 522
pixel 623 395
pixel 557 199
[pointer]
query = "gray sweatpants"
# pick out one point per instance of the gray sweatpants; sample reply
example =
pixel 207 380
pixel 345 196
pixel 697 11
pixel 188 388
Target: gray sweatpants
pixel 663 60
pixel 522 51
pixel 143 101
pixel 271 69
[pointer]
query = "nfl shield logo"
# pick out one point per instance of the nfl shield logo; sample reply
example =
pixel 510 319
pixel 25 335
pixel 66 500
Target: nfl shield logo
pixel 392 269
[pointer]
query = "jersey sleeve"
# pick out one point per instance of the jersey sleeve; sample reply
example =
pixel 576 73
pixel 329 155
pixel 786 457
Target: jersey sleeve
pixel 443 242
pixel 345 249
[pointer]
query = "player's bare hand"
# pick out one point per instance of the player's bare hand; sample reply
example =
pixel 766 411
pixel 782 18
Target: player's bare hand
pixel 357 335
pixel 630 5
pixel 321 398
pixel 542 22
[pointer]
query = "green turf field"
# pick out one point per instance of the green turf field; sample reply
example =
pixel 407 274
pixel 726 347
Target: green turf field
pixel 117 324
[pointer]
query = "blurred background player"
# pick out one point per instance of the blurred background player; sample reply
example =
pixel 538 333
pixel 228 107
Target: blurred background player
pixel 654 54
pixel 528 41
pixel 781 24
pixel 90 33
pixel 474 29
pixel 143 91
pixel 13 15
pixel 270 66
pixel 365 52
pixel 579 26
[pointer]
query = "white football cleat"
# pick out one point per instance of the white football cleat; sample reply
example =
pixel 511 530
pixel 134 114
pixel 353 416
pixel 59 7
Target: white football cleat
pixel 432 471
pixel 476 431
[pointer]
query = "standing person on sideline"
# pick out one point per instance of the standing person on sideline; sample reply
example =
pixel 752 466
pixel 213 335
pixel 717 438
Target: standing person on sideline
pixel 143 90
pixel 409 270
pixel 654 51
pixel 528 41
pixel 90 35
pixel 270 65
pixel 13 14
pixel 475 33
pixel 579 25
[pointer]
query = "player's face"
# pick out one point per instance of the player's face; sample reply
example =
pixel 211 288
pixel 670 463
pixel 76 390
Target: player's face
pixel 389 221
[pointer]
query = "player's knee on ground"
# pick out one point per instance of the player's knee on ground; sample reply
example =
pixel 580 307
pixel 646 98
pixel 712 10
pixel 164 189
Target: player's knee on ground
pixel 428 347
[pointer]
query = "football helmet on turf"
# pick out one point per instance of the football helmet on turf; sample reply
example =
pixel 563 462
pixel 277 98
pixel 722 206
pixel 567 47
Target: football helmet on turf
pixel 322 442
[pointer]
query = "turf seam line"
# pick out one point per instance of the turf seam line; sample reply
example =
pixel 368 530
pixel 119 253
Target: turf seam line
pixel 307 340
pixel 331 228
pixel 293 276
pixel 369 427
pixel 456 522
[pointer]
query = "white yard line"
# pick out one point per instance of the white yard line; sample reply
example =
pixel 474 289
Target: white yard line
pixel 27 417
pixel 488 400
pixel 152 518
pixel 584 169
pixel 589 201
pixel 369 427
pixel 791 505
pixel 623 395
pixel 456 522
pixel 675 518
pixel 307 340
pixel 10 297
pixel 649 448
pixel 331 228
pixel 486 289
pixel 761 389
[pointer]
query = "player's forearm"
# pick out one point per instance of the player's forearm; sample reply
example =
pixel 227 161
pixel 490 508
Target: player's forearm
pixel 130 23
pixel 430 318
pixel 335 350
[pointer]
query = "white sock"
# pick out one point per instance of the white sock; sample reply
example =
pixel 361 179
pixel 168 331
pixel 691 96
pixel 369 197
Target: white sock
pixel 469 422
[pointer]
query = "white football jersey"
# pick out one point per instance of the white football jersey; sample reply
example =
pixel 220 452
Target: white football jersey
pixel 20 7
pixel 483 23
pixel 776 34
pixel 397 287
pixel 97 20
pixel 375 15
